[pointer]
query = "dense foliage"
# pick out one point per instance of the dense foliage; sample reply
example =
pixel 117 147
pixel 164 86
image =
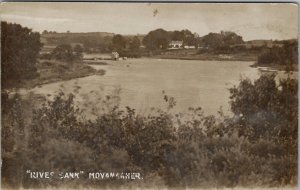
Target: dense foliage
pixel 286 55
pixel 134 43
pixel 128 46
pixel 157 39
pixel 65 52
pixel 118 42
pixel 219 40
pixel 160 38
pixel 257 146
pixel 19 49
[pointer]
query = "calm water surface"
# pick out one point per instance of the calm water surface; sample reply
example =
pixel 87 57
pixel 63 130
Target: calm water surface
pixel 192 83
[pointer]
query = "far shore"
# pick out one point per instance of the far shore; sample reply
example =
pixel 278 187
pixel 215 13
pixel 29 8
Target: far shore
pixel 187 55
pixel 211 57
pixel 204 59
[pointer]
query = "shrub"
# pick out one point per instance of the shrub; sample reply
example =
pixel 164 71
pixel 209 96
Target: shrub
pixel 286 55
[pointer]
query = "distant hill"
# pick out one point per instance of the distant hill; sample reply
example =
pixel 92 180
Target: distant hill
pixel 140 36
pixel 90 40
pixel 59 38
pixel 93 41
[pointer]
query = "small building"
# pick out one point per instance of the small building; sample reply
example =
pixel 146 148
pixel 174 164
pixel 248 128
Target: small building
pixel 115 55
pixel 175 45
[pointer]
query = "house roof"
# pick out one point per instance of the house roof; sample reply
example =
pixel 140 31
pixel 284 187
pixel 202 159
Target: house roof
pixel 176 42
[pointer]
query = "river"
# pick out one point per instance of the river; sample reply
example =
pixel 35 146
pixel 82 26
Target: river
pixel 192 83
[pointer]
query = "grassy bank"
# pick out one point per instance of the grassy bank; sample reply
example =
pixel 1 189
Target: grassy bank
pixel 208 56
pixel 54 71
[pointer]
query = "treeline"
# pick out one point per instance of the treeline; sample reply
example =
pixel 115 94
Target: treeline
pixel 219 42
pixel 19 50
pixel 257 146
pixel 156 40
pixel 287 55
pixel 64 52
pixel 128 46
pixel 159 39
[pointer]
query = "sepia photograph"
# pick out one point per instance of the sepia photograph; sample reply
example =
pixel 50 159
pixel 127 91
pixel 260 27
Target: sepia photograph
pixel 149 95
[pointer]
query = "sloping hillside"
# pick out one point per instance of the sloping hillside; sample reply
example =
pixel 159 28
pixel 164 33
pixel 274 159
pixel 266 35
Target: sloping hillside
pixel 87 40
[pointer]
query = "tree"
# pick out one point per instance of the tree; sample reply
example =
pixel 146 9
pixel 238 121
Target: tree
pixel 134 43
pixel 188 37
pixel 286 55
pixel 78 50
pixel 266 109
pixel 219 40
pixel 63 52
pixel 177 36
pixel 19 50
pixel 118 42
pixel 157 39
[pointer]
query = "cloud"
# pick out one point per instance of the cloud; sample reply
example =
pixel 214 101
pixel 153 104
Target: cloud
pixel 13 17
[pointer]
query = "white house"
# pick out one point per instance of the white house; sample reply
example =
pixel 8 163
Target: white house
pixel 175 45
pixel 115 55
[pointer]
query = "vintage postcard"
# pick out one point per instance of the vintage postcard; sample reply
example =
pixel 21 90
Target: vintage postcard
pixel 144 95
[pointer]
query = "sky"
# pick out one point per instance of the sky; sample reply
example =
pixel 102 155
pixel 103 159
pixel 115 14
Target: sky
pixel 250 20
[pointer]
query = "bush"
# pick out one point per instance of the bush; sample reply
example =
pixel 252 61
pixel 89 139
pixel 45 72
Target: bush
pixel 65 52
pixel 286 55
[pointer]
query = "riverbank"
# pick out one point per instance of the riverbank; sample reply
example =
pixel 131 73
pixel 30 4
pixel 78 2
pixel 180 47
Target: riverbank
pixel 93 62
pixel 210 57
pixel 276 67
pixel 55 71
